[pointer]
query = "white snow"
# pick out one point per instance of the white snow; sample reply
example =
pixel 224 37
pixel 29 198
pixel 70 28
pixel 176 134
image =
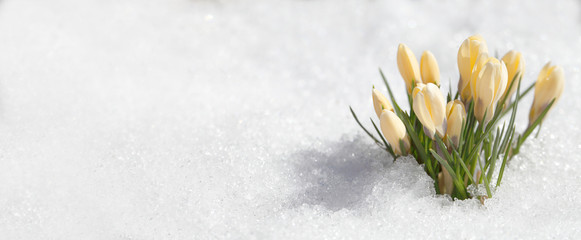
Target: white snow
pixel 203 119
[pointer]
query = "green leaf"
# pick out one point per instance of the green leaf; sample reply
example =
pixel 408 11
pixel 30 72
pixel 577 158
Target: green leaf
pixel 402 146
pixel 519 97
pixel 364 129
pixel 445 164
pixel 416 141
pixel 505 159
pixel 505 97
pixel 395 105
pixel 530 129
pixel 442 146
pixel 495 152
pixel 466 170
pixel 459 183
pixel 482 176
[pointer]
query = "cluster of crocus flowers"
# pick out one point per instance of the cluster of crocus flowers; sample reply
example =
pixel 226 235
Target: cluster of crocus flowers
pixel 457 138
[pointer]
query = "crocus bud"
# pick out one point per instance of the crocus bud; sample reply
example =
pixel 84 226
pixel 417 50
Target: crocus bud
pixel 408 66
pixel 430 107
pixel 515 65
pixel 394 130
pixel 549 86
pixel 455 115
pixel 469 51
pixel 445 182
pixel 380 102
pixel 429 69
pixel 488 83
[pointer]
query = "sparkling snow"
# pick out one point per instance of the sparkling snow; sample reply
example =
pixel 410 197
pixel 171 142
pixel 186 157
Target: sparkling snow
pixel 203 119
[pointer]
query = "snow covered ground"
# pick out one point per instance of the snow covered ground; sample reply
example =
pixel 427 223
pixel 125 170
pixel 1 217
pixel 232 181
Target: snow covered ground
pixel 203 119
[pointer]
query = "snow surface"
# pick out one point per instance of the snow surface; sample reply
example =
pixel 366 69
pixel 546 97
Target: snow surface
pixel 203 119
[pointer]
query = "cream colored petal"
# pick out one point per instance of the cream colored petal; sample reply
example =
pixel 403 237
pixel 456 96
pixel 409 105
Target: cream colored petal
pixel 545 71
pixel 482 59
pixel 423 113
pixel 549 89
pixel 429 68
pixel 468 54
pixel 449 107
pixel 479 38
pixel 501 81
pixel 380 102
pixel 464 66
pixel 484 88
pixel 476 49
pixel 402 63
pixel 393 130
pixel 544 88
pixel 452 106
pixel 419 87
pixel 408 66
pixel 455 119
pixel 540 84
pixel 558 78
pixel 459 104
pixel 437 107
pixel 515 67
pixel 447 186
pixel 532 113
pixel 511 61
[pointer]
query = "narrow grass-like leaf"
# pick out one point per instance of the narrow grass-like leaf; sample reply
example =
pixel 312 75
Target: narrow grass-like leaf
pixel 459 183
pixel 418 144
pixel 396 106
pixel 510 86
pixel 539 131
pixel 511 126
pixel 442 147
pixel 364 129
pixel 486 184
pixel 519 96
pixel 444 163
pixel 505 159
pixel 466 170
pixel 530 129
pixel 495 152
pixel 402 147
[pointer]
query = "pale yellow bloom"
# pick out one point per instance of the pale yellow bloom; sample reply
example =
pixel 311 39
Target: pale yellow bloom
pixel 380 102
pixel 430 108
pixel 394 130
pixel 455 115
pixel 515 65
pixel 408 66
pixel 469 51
pixel 429 68
pixel 488 83
pixel 549 86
